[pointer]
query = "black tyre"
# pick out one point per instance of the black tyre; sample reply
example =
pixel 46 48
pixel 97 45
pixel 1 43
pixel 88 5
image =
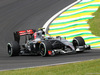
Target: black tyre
pixel 44 47
pixel 78 41
pixel 13 48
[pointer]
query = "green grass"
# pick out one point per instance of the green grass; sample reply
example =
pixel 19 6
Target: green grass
pixel 80 68
pixel 95 23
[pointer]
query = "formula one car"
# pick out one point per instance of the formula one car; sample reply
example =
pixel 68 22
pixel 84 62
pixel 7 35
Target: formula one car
pixel 36 43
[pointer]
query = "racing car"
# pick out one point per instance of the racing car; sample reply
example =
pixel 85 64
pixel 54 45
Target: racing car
pixel 36 43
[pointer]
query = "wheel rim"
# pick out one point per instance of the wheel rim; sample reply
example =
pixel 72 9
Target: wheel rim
pixel 9 49
pixel 42 49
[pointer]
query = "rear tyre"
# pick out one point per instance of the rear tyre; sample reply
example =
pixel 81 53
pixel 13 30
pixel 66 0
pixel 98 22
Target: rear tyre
pixel 44 47
pixel 78 41
pixel 13 49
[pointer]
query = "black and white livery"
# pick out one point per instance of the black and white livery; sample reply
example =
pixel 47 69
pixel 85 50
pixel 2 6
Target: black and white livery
pixel 36 43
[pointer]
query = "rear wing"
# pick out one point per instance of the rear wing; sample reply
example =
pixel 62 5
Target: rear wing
pixel 26 32
pixel 17 34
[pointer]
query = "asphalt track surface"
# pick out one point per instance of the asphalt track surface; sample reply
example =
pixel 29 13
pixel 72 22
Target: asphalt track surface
pixel 31 14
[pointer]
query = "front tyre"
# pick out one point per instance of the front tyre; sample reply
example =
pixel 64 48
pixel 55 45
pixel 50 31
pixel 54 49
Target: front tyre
pixel 13 49
pixel 78 41
pixel 44 47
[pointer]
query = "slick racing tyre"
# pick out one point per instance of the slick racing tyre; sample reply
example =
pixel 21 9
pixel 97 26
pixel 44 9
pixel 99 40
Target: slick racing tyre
pixel 44 47
pixel 13 49
pixel 78 41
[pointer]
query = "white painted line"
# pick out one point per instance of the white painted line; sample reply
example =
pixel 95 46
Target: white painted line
pixel 71 19
pixel 93 41
pixel 46 65
pixel 87 0
pixel 56 15
pixel 71 29
pixel 70 24
pixel 87 9
pixel 75 33
pixel 84 5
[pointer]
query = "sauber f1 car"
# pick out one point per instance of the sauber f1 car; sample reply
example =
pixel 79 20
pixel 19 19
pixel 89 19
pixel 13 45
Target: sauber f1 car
pixel 36 43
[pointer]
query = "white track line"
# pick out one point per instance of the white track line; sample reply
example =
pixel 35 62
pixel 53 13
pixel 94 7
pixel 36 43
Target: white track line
pixel 46 65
